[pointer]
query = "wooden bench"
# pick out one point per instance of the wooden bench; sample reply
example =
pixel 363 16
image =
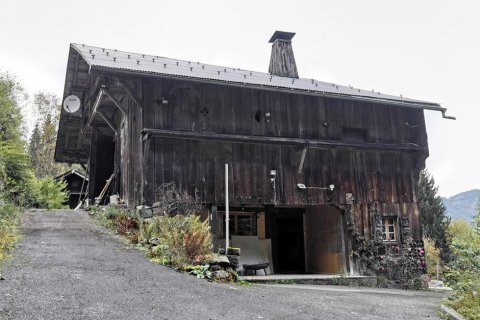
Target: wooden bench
pixel 255 267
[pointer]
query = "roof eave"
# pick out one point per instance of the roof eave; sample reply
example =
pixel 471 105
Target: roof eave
pixel 406 104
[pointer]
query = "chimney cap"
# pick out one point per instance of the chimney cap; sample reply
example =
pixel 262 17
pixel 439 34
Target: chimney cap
pixel 281 35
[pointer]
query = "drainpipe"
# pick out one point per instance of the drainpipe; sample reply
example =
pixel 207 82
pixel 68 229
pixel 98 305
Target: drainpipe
pixel 227 211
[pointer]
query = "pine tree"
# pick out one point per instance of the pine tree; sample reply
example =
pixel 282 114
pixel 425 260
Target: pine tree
pixel 476 218
pixel 433 215
pixel 43 139
pixel 34 146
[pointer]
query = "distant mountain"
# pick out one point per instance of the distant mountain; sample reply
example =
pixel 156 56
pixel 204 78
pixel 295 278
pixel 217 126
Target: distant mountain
pixel 463 205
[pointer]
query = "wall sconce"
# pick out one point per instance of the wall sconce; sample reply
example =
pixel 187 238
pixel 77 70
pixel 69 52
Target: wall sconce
pixel 164 101
pixel 273 176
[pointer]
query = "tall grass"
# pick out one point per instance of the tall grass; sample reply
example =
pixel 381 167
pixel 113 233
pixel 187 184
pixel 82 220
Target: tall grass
pixel 9 232
pixel 180 240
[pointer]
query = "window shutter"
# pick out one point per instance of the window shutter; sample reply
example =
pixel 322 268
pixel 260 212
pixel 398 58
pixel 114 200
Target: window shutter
pixel 405 228
pixel 377 224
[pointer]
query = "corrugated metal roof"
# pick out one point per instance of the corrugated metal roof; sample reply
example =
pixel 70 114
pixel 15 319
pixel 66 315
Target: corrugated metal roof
pixel 115 59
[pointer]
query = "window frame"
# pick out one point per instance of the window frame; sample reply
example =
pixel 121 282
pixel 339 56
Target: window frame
pixel 234 215
pixel 385 225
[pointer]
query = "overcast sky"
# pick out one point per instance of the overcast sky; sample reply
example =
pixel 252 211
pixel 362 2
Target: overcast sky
pixel 427 50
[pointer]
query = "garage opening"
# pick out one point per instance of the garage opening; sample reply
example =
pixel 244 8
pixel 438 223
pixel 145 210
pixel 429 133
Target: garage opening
pixel 289 242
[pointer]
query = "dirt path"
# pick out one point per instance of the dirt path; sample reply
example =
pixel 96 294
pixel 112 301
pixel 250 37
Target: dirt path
pixel 66 267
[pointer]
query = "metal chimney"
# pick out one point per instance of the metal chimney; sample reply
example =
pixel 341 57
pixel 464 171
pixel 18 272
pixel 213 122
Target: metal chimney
pixel 282 61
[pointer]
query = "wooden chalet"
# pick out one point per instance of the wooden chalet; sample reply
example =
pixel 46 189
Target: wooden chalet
pixel 77 184
pixel 304 155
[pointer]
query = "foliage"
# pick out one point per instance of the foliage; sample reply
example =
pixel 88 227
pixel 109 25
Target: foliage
pixel 433 215
pixel 394 264
pixel 172 200
pixel 123 220
pixel 178 241
pixel 11 95
pixel 476 218
pixel 50 194
pixel 432 257
pixel 15 172
pixel 43 139
pixel 9 233
pixel 182 239
pixel 462 271
pixel 397 264
pixel 200 271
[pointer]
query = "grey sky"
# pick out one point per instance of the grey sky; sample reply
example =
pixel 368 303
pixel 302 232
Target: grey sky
pixel 427 50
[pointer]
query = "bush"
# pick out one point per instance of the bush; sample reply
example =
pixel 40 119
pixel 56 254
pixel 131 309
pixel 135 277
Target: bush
pixel 16 176
pixel 432 257
pixel 180 240
pixel 394 264
pixel 9 233
pixel 50 194
pixel 462 272
pixel 124 221
pixel 172 200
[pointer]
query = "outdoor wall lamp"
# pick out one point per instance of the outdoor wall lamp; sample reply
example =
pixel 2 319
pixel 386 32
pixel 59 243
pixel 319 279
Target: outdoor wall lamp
pixel 301 186
pixel 273 175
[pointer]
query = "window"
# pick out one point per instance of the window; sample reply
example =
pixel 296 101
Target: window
pixel 354 134
pixel 241 224
pixel 389 229
pixel 75 184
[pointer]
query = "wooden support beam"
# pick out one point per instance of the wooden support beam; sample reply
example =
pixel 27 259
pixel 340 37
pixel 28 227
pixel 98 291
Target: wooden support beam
pixel 146 148
pixel 104 117
pixel 93 89
pixel 117 103
pixel 98 101
pixel 311 143
pixel 131 92
pixel 302 160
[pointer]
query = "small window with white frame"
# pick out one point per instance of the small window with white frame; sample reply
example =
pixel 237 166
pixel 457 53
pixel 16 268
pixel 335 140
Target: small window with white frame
pixel 389 229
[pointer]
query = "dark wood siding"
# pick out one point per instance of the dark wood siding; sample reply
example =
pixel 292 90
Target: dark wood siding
pixel 386 177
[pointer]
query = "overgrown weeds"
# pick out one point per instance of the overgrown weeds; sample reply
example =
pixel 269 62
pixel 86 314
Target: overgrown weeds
pixel 9 232
pixel 179 240
pixel 183 242
pixel 396 265
pixel 124 221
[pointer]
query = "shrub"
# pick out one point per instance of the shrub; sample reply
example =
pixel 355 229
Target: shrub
pixel 172 200
pixel 124 221
pixel 461 273
pixel 9 215
pixel 51 194
pixel 432 257
pixel 182 239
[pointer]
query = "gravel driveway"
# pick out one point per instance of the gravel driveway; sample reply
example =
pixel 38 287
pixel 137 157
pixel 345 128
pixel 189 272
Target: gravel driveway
pixel 66 267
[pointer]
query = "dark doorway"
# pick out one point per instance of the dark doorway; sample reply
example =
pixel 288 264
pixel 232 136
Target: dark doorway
pixel 289 242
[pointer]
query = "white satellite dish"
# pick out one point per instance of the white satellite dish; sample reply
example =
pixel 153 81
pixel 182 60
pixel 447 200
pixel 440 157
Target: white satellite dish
pixel 71 104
